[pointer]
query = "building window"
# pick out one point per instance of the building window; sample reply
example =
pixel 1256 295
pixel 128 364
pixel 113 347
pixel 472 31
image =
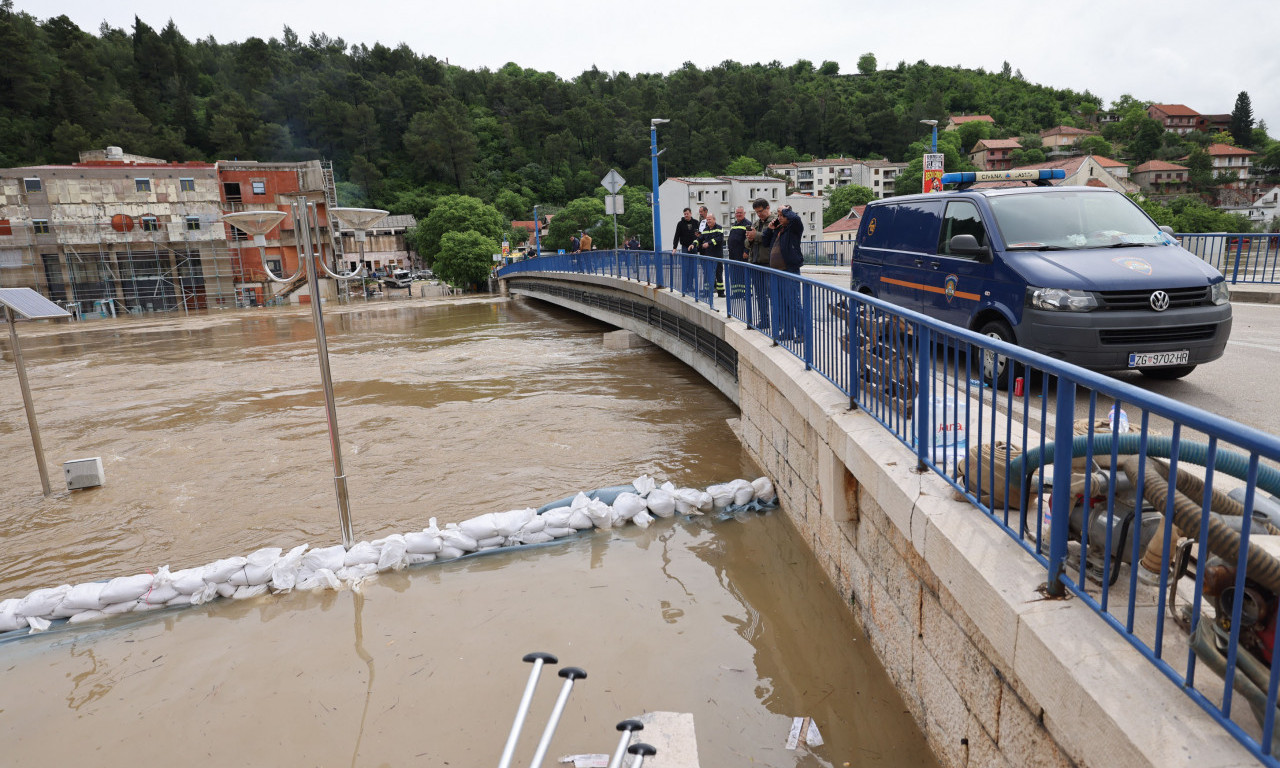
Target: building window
pixel 187 185
pixel 237 234
pixel 41 226
pixel 142 185
pixel 150 224
pixel 231 191
pixel 6 228
pixel 32 185
pixel 259 187
pixel 193 223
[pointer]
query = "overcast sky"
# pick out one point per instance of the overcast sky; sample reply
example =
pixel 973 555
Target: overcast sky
pixel 1173 51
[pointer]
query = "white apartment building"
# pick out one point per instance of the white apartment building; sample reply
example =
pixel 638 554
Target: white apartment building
pixel 818 177
pixel 723 194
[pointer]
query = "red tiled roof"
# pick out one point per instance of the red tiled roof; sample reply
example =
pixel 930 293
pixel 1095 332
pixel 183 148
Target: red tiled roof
pixel 1067 130
pixel 1107 162
pixel 1181 110
pixel 1223 150
pixel 996 144
pixel 1158 165
pixel 847 223
pixel 960 119
pixel 1095 183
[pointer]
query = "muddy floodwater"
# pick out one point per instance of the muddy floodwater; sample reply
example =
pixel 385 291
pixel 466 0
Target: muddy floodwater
pixel 212 435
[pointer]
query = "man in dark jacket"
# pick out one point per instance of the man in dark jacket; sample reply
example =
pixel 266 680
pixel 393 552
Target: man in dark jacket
pixel 737 239
pixel 686 233
pixel 758 254
pixel 788 230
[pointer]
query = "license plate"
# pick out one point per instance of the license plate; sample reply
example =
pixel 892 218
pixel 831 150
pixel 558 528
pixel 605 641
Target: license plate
pixel 1157 359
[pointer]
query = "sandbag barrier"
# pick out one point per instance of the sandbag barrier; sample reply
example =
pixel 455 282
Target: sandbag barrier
pixel 271 570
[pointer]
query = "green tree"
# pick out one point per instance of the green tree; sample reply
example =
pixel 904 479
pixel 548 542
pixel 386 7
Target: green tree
pixel 1096 145
pixel 584 213
pixel 841 199
pixel 972 132
pixel 867 64
pixel 442 141
pixel 1026 157
pixel 465 258
pixel 744 166
pixel 1146 140
pixel 510 204
pixel 457 213
pixel 1241 125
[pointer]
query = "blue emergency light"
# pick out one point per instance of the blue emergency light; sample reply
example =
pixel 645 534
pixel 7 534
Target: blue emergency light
pixel 965 178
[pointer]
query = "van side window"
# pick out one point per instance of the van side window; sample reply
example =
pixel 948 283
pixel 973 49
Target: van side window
pixel 961 219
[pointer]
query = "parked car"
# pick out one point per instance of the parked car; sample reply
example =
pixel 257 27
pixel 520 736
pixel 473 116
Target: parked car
pixel 1077 273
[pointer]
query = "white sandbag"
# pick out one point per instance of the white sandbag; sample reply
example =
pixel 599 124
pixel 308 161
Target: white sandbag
pixel 37 624
pixel 668 486
pixel 493 542
pixel 225 589
pixel 159 595
pixel 661 503
pixel 361 553
pixel 705 502
pixel 481 527
pixel 579 520
pixel 285 573
pixel 355 575
pixel 204 594
pixel 453 537
pixel 687 500
pixel 142 607
pixel 10 619
pixel 84 616
pixel 265 556
pixel 721 496
pixel 558 517
pixel 41 603
pixel 536 537
pixel 251 575
pixel 320 579
pixel 249 591
pixel 601 514
pixel 643 485
pixel 449 552
pixel 422 543
pixel 764 489
pixel 642 518
pixel 85 597
pixel 534 525
pixel 394 554
pixel 326 558
pixel 189 580
pixel 559 532
pixel 124 588
pixel 511 522
pixel 414 558
pixel 181 599
pixel 115 609
pixel 627 505
pixel 743 492
pixel 221 570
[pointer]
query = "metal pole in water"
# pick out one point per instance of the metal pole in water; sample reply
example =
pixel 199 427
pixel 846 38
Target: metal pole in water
pixel 570 674
pixel 27 403
pixel 322 352
pixel 538 660
pixel 627 727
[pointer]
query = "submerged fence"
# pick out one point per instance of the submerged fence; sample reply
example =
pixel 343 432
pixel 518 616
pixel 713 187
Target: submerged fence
pixel 1163 517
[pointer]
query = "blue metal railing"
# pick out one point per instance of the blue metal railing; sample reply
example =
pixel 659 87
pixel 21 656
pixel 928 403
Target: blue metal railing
pixel 1114 535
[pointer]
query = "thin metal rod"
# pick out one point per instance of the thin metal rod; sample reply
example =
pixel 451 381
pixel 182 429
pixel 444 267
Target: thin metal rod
pixel 628 728
pixel 331 412
pixel 569 674
pixel 27 403
pixel 538 659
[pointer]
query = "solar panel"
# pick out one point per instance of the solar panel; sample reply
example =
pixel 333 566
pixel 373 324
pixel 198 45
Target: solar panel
pixel 30 304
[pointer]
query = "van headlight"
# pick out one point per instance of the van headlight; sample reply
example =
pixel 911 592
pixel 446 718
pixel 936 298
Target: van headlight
pixel 1219 294
pixel 1059 299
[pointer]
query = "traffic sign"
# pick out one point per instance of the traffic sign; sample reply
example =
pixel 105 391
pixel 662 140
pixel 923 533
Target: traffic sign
pixel 613 181
pixel 613 205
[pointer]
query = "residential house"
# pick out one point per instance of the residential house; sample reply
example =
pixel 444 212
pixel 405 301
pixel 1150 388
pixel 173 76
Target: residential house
pixel 1213 123
pixel 994 154
pixel 1063 139
pixel 1081 171
pixel 845 228
pixel 1232 161
pixel 1114 167
pixel 1266 208
pixel 384 246
pixel 723 194
pixel 1178 118
pixel 819 177
pixel 116 233
pixel 1161 178
pixel 955 121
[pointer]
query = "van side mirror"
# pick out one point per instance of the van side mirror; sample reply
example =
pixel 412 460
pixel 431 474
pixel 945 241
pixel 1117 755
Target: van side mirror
pixel 1168 230
pixel 967 245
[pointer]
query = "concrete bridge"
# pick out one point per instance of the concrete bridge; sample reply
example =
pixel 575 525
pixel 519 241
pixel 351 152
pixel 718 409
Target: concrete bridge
pixel 993 671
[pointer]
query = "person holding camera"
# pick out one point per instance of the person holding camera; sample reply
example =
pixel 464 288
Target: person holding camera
pixel 759 238
pixel 785 255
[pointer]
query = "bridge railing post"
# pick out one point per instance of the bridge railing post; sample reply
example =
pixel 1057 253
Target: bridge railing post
pixel 924 397
pixel 806 320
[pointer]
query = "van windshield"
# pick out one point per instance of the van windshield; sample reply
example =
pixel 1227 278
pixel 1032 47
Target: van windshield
pixel 1066 220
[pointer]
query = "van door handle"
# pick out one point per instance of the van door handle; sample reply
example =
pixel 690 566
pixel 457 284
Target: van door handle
pixel 934 264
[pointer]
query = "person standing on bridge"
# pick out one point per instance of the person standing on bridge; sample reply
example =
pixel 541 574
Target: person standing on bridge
pixel 633 243
pixel 785 254
pixel 702 219
pixel 686 233
pixel 711 243
pixel 584 243
pixel 759 237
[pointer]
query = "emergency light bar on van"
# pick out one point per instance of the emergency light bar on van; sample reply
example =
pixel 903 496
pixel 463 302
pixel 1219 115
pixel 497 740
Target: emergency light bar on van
pixel 973 177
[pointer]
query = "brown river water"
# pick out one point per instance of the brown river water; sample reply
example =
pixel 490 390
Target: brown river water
pixel 212 435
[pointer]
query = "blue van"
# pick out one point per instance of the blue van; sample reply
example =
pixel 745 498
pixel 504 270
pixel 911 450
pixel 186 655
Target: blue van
pixel 1081 274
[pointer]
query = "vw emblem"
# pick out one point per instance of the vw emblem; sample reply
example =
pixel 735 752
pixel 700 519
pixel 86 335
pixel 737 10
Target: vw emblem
pixel 1159 301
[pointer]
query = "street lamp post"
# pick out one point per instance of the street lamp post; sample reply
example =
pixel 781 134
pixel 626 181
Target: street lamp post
pixel 934 124
pixel 537 233
pixel 653 163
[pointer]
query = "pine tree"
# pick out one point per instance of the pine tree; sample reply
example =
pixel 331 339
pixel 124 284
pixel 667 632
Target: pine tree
pixel 1242 120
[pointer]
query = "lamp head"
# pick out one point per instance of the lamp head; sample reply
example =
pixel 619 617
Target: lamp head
pixel 655 122
pixel 929 122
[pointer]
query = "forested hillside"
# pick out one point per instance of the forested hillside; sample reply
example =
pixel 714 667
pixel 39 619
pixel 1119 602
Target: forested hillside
pixel 394 120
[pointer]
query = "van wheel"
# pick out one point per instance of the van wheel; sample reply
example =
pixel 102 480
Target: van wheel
pixel 995 368
pixel 1168 373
